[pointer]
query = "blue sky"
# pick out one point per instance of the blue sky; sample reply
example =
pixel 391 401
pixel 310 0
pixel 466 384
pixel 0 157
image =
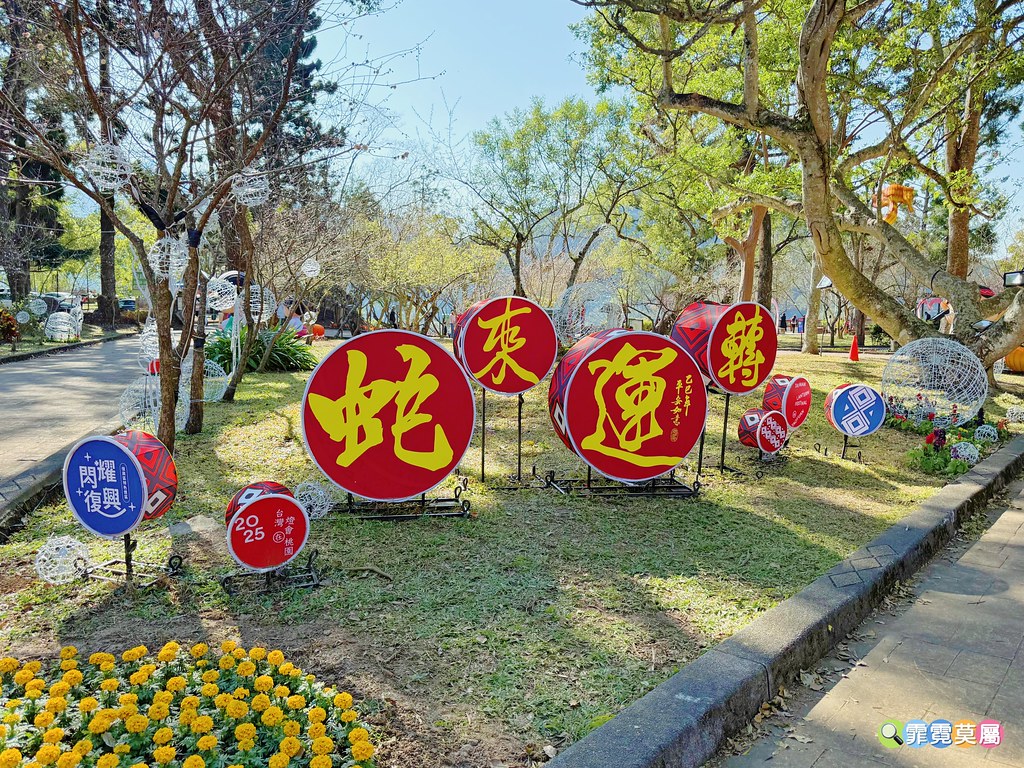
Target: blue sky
pixel 485 58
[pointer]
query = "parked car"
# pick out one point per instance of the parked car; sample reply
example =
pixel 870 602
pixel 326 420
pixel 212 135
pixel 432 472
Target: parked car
pixel 126 305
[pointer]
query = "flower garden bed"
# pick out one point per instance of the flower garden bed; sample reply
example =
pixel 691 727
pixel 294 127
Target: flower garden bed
pixel 180 708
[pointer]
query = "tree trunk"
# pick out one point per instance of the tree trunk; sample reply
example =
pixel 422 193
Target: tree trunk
pixel 194 425
pixel 170 364
pixel 810 343
pixel 108 288
pixel 766 267
pixel 859 322
pixel 958 251
pixel 747 251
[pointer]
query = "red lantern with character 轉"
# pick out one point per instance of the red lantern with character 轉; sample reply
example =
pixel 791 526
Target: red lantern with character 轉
pixel 507 345
pixel 735 345
pixel 387 415
pixel 631 404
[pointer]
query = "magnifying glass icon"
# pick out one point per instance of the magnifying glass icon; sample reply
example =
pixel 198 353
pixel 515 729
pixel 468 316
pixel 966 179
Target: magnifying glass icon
pixel 889 731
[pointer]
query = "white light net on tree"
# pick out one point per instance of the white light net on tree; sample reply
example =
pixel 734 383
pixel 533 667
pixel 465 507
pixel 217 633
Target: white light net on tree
pixel 965 452
pixel 310 268
pixel 250 187
pixel 587 308
pixel 62 559
pixel 61 326
pixel 220 295
pixel 168 257
pixel 107 166
pixel 316 498
pixel 37 307
pixel 935 376
pixel 149 344
pixel 140 406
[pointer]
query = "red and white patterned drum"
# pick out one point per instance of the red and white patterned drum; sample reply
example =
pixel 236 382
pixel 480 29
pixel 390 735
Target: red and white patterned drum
pixel 763 429
pixel 157 466
pixel 631 404
pixel 789 394
pixel 459 331
pixel 252 492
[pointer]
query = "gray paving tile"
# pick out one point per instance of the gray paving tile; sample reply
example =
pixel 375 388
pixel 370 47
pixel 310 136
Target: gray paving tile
pixel 979 668
pixel 926 657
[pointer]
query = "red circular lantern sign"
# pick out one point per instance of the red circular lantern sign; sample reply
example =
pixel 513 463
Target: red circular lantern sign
pixel 388 415
pixel 630 404
pixel 252 492
pixel 791 395
pixel 268 533
pixel 507 345
pixel 742 348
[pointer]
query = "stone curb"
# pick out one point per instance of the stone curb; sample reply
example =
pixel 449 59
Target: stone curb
pixel 17 358
pixel 18 494
pixel 681 723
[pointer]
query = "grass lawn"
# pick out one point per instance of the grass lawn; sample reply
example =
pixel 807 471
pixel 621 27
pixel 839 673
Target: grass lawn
pixel 527 626
pixel 89 333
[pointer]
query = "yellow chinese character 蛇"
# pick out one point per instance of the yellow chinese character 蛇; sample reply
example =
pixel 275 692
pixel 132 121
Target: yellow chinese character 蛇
pixel 636 402
pixel 504 337
pixel 353 419
pixel 740 350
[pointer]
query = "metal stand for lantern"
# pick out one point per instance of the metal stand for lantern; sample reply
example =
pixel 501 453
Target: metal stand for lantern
pixel 516 482
pixel 722 466
pixel 667 485
pixel 131 572
pixel 303 576
pixel 413 509
pixel 847 446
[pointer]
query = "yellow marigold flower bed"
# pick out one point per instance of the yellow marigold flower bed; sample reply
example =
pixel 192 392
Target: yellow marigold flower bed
pixel 171 709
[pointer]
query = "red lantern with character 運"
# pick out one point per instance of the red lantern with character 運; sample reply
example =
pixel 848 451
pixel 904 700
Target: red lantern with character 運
pixel 631 404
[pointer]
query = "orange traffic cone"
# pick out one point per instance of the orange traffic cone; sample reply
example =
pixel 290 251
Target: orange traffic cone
pixel 854 351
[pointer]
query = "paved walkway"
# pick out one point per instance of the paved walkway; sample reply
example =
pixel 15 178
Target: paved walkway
pixel 47 403
pixel 953 654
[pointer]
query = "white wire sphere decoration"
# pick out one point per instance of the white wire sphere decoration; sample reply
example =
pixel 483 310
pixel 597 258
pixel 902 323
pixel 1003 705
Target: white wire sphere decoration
pixel 107 166
pixel 1015 414
pixel 139 405
pixel 220 295
pixel 262 303
pixel 311 268
pixel 215 379
pixel 999 366
pixel 986 433
pixel 60 326
pixel 587 308
pixel 316 498
pixel 149 344
pixel 62 559
pixel 37 307
pixel 965 451
pixel 168 257
pixel 250 187
pixel 940 374
pixel 309 318
pixel 23 317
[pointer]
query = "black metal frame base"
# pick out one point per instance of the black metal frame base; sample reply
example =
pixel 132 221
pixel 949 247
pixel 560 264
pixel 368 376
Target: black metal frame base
pixel 128 571
pixel 413 509
pixel 304 576
pixel 667 486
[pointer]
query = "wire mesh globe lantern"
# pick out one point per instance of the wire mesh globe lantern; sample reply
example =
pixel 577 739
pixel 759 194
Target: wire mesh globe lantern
pixel 936 379
pixel 965 451
pixel 23 317
pixel 310 268
pixel 220 294
pixel 37 307
pixel 62 559
pixel 316 498
pixel 250 187
pixel 107 166
pixel 587 308
pixel 215 379
pixel 168 257
pixel 60 326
